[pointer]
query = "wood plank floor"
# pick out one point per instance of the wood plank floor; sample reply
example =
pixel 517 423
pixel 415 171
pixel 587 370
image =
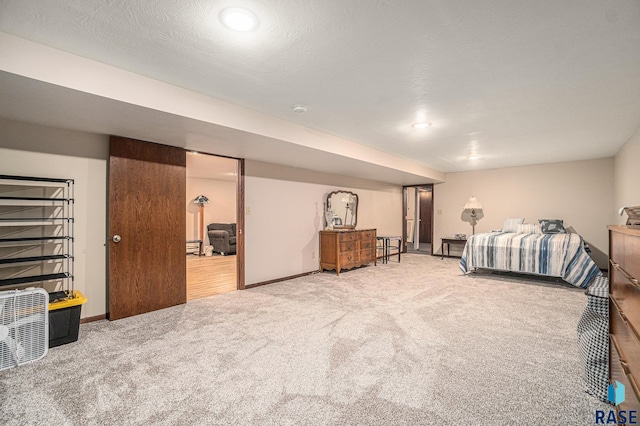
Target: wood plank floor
pixel 211 275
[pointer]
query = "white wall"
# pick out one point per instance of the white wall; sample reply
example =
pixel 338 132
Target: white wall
pixel 284 212
pixel 627 176
pixel 31 150
pixel 221 207
pixel 579 192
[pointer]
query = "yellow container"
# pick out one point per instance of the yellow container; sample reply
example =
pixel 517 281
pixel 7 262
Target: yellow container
pixel 77 299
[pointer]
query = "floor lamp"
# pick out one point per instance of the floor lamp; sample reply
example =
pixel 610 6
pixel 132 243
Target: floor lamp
pixel 201 200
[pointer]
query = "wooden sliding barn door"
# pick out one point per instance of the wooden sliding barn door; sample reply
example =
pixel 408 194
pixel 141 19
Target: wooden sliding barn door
pixel 147 227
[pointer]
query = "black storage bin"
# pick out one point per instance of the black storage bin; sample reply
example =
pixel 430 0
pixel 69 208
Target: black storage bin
pixel 64 325
pixel 64 320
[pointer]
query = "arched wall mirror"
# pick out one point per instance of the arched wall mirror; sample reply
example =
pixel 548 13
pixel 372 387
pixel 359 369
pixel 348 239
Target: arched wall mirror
pixel 342 210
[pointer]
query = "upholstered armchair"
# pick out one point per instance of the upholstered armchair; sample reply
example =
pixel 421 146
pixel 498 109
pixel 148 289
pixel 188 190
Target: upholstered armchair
pixel 222 236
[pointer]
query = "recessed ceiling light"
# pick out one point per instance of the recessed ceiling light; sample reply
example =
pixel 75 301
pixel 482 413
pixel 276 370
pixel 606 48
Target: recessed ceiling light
pixel 474 157
pixel 299 109
pixel 239 19
pixel 421 125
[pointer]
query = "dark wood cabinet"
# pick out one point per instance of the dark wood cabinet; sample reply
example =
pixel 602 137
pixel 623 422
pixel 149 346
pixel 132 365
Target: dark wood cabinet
pixel 346 249
pixel 624 308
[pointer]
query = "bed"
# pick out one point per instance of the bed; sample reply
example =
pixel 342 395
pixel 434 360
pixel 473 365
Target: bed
pixel 554 254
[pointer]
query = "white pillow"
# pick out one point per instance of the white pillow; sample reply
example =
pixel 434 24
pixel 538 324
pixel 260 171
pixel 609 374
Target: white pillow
pixel 511 224
pixel 529 228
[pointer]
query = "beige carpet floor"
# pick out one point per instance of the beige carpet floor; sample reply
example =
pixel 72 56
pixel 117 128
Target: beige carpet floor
pixel 413 343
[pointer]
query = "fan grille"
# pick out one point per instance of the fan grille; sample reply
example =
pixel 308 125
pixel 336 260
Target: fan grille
pixel 24 326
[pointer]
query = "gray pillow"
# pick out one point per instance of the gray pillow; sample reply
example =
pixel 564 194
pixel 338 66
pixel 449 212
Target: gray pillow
pixel 552 226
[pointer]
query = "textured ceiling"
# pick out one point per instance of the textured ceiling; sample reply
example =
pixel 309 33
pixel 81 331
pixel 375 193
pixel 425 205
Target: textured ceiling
pixel 520 82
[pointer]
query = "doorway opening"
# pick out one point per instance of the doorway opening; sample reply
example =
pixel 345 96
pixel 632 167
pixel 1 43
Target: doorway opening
pixel 211 225
pixel 417 222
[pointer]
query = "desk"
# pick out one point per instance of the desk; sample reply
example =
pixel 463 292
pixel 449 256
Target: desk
pixel 386 247
pixel 448 242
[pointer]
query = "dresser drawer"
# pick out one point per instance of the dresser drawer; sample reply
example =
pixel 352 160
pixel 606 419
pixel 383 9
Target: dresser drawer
pixel 367 245
pixel 619 372
pixel 621 279
pixel 626 295
pixel 349 259
pixel 626 341
pixel 348 246
pixel 616 247
pixel 367 256
pixel 631 260
pixel 624 251
pixel 348 236
pixel 367 235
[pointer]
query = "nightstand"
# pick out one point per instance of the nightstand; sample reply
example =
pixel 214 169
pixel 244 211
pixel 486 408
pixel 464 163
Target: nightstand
pixel 448 242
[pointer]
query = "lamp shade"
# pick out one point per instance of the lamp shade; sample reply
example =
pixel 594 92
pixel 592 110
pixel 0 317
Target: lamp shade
pixel 473 204
pixel 201 199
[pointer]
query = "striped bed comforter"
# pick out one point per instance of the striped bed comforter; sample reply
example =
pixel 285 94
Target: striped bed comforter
pixel 557 255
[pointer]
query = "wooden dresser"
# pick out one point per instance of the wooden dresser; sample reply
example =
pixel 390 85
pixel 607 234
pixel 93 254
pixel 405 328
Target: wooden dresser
pixel 346 249
pixel 624 311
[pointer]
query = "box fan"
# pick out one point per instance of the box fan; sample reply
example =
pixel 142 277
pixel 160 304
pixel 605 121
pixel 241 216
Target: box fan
pixel 24 326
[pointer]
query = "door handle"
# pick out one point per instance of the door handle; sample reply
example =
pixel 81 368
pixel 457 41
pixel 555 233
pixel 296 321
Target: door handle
pixel 117 238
